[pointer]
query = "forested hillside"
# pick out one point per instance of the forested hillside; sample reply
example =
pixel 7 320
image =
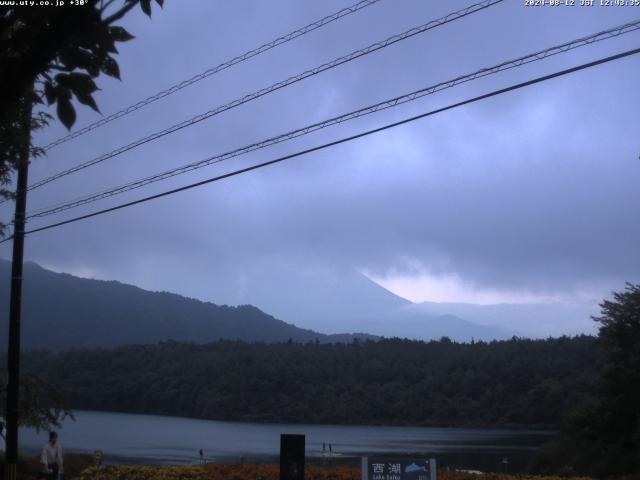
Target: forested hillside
pixel 60 311
pixel 509 383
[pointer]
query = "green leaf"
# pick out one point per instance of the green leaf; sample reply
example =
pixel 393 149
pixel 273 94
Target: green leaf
pixel 146 6
pixel 50 93
pixel 75 57
pixel 78 82
pixel 66 112
pixel 93 69
pixel 87 99
pixel 119 34
pixel 36 98
pixel 110 67
pixel 110 46
pixel 82 86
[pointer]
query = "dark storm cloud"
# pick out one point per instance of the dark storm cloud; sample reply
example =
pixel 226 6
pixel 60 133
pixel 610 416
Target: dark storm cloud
pixel 535 190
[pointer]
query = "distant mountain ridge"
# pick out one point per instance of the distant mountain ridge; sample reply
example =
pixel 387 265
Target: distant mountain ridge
pixel 532 320
pixel 60 311
pixel 337 299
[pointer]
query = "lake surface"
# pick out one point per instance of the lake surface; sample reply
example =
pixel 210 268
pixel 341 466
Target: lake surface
pixel 155 439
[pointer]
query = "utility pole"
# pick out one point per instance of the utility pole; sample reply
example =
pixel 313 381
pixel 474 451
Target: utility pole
pixel 13 360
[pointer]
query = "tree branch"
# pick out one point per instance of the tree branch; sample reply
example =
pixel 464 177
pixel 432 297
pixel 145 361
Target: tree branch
pixel 120 13
pixel 103 7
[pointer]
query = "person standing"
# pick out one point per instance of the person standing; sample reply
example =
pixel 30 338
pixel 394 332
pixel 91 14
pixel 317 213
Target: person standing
pixel 51 457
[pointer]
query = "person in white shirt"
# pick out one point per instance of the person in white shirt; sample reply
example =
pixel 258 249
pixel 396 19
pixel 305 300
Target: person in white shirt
pixel 51 457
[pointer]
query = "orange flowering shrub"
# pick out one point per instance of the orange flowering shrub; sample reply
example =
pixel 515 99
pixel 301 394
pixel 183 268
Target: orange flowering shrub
pixel 143 472
pixel 462 475
pixel 215 471
pixel 252 471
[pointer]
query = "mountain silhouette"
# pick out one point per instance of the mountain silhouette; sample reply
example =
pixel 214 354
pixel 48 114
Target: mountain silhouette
pixel 61 311
pixel 341 299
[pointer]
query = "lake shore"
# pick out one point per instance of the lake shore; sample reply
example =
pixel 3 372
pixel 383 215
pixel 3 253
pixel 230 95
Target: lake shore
pixel 157 440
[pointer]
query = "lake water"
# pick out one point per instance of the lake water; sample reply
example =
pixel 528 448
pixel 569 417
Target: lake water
pixel 156 439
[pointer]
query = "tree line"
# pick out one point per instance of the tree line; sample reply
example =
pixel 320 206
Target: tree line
pixel 520 382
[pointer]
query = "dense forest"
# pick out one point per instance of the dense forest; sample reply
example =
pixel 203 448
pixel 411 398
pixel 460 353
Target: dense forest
pixel 518 382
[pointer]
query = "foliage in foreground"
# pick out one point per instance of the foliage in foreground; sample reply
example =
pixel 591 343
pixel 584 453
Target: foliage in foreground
pixel 602 436
pixel 31 469
pixel 52 55
pixel 41 405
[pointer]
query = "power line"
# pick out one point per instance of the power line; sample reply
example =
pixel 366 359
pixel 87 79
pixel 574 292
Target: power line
pixel 343 140
pixel 276 86
pixel 217 69
pixel 540 55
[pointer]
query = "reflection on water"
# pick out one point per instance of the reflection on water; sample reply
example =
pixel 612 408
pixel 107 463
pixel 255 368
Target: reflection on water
pixel 155 439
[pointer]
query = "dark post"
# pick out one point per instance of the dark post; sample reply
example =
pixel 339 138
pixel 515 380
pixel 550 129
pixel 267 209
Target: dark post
pixel 292 457
pixel 13 360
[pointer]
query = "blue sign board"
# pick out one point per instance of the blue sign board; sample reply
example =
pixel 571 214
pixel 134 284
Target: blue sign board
pixel 395 468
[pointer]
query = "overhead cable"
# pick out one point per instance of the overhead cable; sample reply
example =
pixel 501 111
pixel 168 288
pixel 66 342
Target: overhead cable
pixel 276 86
pixel 340 141
pixel 540 55
pixel 217 69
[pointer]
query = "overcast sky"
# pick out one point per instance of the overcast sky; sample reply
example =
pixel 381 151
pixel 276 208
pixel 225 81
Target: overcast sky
pixel 529 196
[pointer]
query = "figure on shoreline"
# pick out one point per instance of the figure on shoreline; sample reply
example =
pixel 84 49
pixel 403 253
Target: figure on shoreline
pixel 51 457
pixel 201 456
